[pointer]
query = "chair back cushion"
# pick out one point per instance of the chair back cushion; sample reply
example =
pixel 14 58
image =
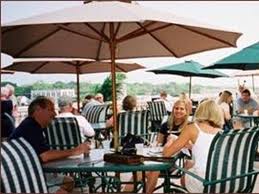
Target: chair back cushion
pixel 232 153
pixel 96 113
pixel 134 122
pixel 21 170
pixel 157 110
pixel 63 133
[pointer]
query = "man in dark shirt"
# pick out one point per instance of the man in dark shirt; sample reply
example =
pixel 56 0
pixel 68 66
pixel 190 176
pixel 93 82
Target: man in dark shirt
pixel 30 130
pixel 41 112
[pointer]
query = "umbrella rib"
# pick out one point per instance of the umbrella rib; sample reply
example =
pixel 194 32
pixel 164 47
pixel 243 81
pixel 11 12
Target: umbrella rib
pixel 97 32
pixel 140 33
pixel 63 27
pixel 134 33
pixel 39 67
pixel 70 63
pixel 35 43
pixel 120 68
pixel 85 63
pixel 154 37
pixel 77 65
pixel 204 34
pixel 100 45
pixel 117 29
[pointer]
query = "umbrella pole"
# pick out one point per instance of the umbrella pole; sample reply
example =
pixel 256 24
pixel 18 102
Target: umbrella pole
pixel 114 101
pixel 77 88
pixel 253 83
pixel 190 87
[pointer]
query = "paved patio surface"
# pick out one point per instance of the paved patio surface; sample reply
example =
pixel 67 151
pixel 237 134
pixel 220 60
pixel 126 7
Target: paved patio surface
pixel 127 176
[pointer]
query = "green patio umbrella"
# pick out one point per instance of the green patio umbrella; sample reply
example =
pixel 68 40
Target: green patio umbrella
pixel 246 59
pixel 190 69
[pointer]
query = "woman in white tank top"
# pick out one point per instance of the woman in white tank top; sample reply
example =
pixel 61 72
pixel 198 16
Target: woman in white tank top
pixel 207 123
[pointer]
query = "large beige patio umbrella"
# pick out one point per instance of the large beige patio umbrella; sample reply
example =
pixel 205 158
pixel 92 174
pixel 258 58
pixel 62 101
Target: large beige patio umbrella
pixel 111 30
pixel 246 74
pixel 68 66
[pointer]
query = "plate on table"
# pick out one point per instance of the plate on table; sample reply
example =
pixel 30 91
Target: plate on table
pixel 154 154
pixel 156 150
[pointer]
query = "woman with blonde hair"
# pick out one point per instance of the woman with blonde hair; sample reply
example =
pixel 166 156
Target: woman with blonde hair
pixel 176 121
pixel 207 123
pixel 224 102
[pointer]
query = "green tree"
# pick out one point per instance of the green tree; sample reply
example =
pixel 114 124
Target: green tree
pixel 106 87
pixel 41 85
pixel 88 88
pixel 24 90
pixel 60 85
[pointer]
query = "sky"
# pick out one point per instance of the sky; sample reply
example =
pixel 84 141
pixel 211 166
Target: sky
pixel 239 16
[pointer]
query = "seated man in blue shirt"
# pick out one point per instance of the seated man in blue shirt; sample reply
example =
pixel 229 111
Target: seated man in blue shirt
pixel 41 112
pixel 245 102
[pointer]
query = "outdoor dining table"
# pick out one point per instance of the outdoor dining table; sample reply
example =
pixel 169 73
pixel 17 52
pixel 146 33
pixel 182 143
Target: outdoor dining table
pixel 98 126
pixel 253 119
pixel 94 163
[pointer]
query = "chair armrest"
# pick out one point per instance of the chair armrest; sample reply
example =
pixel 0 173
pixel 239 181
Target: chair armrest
pixel 254 172
pixel 207 182
pixel 190 173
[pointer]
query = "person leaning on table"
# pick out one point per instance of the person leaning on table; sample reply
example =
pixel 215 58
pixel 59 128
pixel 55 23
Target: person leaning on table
pixel 245 102
pixel 41 112
pixel 207 122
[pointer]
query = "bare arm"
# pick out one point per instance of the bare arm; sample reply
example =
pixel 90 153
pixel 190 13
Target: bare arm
pixel 171 147
pixel 187 134
pixel 59 154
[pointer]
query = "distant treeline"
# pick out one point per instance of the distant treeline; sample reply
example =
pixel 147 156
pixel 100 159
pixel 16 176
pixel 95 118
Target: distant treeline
pixel 171 88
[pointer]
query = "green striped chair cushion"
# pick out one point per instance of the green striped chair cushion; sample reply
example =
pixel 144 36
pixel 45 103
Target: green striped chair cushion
pixel 21 170
pixel 157 110
pixel 63 133
pixel 232 153
pixel 96 113
pixel 134 122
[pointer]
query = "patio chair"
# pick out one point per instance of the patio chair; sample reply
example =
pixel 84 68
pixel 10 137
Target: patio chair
pixel 157 112
pixel 21 170
pixel 63 133
pixel 134 122
pixel 230 165
pixel 96 113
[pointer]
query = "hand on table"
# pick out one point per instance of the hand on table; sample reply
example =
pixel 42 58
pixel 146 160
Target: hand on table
pixel 83 148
